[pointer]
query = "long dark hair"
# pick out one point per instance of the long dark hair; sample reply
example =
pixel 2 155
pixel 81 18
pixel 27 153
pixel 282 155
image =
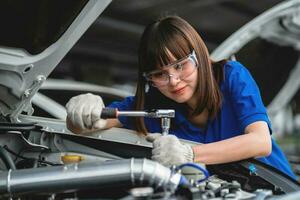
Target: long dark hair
pixel 174 34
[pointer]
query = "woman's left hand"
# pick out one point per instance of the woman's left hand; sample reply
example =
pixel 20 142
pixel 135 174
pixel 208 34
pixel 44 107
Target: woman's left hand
pixel 168 150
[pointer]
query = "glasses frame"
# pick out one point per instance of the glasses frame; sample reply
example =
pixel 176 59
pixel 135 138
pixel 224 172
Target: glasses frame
pixel 191 56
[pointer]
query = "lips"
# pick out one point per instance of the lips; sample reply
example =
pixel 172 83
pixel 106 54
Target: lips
pixel 179 90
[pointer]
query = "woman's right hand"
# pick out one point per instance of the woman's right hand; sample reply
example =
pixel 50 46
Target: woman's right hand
pixel 83 113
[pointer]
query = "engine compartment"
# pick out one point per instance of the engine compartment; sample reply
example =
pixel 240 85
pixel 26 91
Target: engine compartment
pixel 47 162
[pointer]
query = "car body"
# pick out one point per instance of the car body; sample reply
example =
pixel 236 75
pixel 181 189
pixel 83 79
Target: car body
pixel 53 95
pixel 42 159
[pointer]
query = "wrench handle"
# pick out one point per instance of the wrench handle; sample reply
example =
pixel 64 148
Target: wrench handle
pixel 109 113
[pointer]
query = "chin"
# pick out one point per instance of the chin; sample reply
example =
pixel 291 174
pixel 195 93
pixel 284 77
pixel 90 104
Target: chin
pixel 180 99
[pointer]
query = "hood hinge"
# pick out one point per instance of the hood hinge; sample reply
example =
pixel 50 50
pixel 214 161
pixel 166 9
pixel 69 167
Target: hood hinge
pixel 27 96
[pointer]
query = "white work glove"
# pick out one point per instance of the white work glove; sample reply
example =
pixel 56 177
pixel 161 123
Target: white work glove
pixel 168 150
pixel 84 111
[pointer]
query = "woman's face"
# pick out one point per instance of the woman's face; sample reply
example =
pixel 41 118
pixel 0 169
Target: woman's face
pixel 182 85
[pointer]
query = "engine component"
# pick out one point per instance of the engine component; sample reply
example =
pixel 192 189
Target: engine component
pixel 135 172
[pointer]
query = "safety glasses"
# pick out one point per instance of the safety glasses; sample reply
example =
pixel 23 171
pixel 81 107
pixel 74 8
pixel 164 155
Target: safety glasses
pixel 183 68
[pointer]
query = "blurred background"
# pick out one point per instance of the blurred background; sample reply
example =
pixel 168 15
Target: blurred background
pixel 107 53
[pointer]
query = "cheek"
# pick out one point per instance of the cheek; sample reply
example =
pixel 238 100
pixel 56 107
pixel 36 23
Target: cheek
pixel 192 80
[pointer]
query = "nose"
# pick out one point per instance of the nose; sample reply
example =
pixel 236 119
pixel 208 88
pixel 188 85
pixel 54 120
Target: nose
pixel 173 80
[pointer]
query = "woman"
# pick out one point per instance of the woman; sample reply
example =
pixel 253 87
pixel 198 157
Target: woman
pixel 216 103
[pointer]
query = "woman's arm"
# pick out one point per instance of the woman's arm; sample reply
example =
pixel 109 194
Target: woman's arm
pixel 256 142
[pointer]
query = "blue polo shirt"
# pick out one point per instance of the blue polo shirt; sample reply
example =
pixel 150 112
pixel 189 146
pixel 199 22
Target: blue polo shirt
pixel 241 106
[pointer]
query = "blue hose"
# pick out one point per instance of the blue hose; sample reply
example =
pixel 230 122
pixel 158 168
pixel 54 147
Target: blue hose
pixel 196 166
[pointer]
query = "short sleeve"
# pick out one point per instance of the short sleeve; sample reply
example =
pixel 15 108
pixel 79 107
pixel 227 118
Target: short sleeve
pixel 245 95
pixel 126 104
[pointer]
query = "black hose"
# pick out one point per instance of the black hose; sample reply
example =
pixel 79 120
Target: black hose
pixel 6 158
pixel 28 158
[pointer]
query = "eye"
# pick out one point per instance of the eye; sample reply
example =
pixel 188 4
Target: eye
pixel 159 75
pixel 178 66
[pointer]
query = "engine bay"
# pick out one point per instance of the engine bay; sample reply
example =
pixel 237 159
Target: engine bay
pixel 48 162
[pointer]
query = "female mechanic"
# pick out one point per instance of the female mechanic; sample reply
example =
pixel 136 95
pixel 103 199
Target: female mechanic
pixel 216 103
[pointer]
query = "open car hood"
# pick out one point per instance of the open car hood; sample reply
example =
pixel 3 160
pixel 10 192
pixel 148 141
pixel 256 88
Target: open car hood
pixel 39 35
pixel 280 24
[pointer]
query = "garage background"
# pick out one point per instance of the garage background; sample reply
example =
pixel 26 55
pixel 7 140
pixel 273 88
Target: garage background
pixel 107 53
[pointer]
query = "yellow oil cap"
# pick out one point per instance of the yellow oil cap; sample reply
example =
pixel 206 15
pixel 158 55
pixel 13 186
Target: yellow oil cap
pixel 68 159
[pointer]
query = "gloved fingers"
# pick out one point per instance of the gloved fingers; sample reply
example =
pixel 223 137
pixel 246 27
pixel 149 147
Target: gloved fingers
pixel 168 150
pixel 76 116
pixel 73 103
pixel 160 154
pixel 157 158
pixel 70 109
pixel 96 113
pixel 97 122
pixel 86 116
pixel 163 155
pixel 74 110
pixel 100 124
pixel 172 139
pixel 70 106
pixel 153 136
pixel 81 112
pixel 156 150
pixel 162 160
pixel 157 143
pixel 168 141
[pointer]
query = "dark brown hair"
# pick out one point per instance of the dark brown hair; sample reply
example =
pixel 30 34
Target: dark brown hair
pixel 174 34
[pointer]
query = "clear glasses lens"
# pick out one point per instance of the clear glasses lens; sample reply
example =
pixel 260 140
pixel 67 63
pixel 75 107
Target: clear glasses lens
pixel 182 69
pixel 188 67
